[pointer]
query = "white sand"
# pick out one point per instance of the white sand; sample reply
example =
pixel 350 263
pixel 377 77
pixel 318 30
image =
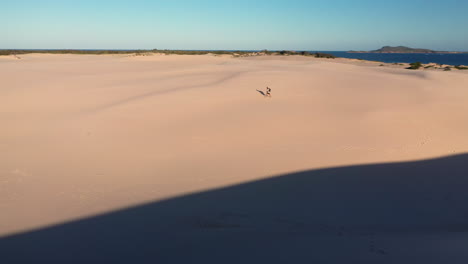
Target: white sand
pixel 84 135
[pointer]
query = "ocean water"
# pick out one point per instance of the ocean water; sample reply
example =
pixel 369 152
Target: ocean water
pixel 450 59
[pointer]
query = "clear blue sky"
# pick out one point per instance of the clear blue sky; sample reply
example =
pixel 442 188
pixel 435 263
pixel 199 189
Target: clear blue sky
pixel 241 24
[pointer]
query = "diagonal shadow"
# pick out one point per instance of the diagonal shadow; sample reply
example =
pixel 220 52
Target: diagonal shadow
pixel 161 92
pixel 407 212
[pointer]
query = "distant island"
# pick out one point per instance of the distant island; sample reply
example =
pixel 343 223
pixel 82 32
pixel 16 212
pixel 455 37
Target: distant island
pixel 403 49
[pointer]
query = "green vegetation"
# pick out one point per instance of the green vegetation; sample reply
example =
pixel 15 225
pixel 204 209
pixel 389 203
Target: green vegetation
pixel 198 52
pixel 460 67
pixel 285 52
pixel 415 65
pixel 100 52
pixel 167 52
pixel 96 52
pixel 324 55
pixel 304 53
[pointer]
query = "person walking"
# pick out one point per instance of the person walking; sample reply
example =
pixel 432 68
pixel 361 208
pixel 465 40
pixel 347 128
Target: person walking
pixel 268 91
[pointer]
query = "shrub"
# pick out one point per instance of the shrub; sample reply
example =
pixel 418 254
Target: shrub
pixel 324 55
pixel 460 67
pixel 290 52
pixel 415 65
pixel 167 52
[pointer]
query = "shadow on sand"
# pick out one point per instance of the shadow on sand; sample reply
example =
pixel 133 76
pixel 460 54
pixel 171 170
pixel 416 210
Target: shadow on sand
pixel 261 92
pixel 410 212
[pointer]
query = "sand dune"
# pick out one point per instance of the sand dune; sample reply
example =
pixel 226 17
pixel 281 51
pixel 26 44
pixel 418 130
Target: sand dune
pixel 85 135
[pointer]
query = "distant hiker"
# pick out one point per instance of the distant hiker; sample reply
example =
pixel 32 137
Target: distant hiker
pixel 268 91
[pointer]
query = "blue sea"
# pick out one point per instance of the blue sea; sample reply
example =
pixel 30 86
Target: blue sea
pixel 450 59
